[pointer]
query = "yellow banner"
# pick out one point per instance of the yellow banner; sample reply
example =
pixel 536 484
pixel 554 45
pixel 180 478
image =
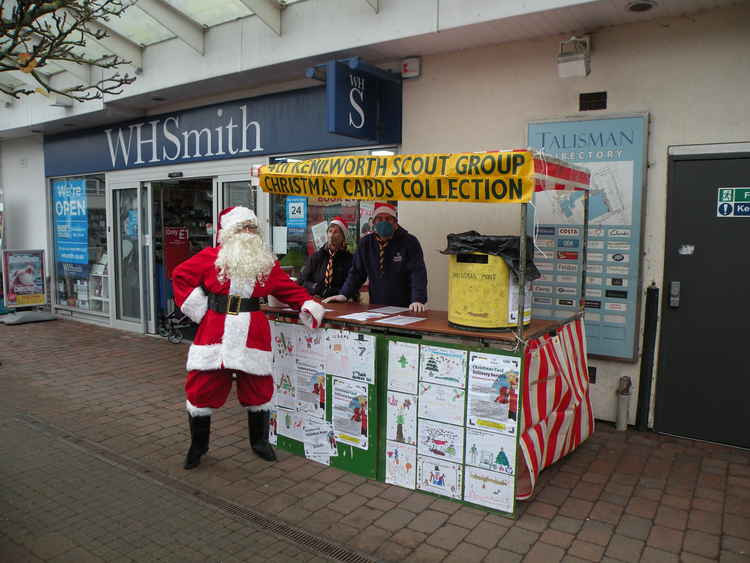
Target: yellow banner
pixel 499 177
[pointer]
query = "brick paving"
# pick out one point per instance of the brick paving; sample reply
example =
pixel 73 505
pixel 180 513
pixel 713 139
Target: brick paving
pixel 61 503
pixel 622 496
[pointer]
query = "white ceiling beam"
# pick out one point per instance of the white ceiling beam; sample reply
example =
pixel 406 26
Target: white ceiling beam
pixel 117 44
pixel 60 101
pixel 187 30
pixel 268 11
pixel 375 5
pixel 24 77
pixel 81 71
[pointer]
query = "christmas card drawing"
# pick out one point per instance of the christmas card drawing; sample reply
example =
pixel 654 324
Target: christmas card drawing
pixel 400 464
pixel 487 488
pixel 491 451
pixel 439 477
pixel 441 403
pixel 445 366
pixel 440 440
pixel 403 361
pixel 401 417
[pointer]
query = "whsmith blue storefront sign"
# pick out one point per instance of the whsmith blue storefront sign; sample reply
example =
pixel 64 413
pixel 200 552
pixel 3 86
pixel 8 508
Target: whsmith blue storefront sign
pixel 293 121
pixel 614 150
pixel 71 221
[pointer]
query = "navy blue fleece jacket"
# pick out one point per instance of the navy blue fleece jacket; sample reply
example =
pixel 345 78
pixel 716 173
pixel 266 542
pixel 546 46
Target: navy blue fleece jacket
pixel 404 277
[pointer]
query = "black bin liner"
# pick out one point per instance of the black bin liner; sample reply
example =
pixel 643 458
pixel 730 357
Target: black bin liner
pixel 506 247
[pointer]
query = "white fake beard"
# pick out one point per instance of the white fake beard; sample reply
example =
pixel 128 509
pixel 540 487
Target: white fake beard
pixel 243 258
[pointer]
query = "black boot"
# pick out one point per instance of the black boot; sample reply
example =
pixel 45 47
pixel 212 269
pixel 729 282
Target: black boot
pixel 258 427
pixel 200 430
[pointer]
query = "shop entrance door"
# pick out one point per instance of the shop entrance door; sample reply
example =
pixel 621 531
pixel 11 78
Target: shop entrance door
pixel 703 384
pixel 183 218
pixel 131 240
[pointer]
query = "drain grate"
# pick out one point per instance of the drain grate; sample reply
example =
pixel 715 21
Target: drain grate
pixel 300 537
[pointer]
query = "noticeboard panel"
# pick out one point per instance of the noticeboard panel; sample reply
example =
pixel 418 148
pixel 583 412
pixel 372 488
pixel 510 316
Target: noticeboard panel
pixel 614 150
pixel 448 421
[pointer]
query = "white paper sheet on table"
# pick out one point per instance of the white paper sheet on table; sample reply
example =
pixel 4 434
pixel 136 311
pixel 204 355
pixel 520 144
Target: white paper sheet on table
pixel 400 320
pixel 363 316
pixel 389 310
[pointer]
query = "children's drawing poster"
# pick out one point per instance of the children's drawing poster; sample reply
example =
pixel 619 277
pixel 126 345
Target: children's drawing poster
pixel 361 350
pixel 401 418
pixel 439 477
pixel 319 438
pixel 446 366
pixel 273 422
pixel 310 343
pixel 440 440
pixel 350 403
pixel 400 464
pixel 493 392
pixel 284 343
pixel 490 489
pixel 441 403
pixel 284 382
pixel 488 450
pixel 403 363
pixel 311 387
pixel 337 358
pixel 290 424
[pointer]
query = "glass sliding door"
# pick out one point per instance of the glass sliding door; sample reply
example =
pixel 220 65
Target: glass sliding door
pixel 131 229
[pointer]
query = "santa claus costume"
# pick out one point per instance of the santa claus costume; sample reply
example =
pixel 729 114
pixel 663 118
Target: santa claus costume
pixel 219 288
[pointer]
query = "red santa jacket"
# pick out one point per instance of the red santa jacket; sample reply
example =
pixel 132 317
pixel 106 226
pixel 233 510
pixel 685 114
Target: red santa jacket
pixel 242 341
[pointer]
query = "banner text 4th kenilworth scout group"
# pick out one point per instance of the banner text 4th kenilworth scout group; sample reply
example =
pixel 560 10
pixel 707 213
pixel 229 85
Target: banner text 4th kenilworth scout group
pixel 500 177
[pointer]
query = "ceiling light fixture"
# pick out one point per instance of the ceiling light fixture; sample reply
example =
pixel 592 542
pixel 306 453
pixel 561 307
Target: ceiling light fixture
pixel 641 5
pixel 574 58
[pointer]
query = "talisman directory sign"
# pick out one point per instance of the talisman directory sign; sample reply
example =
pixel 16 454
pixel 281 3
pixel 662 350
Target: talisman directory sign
pixel 614 150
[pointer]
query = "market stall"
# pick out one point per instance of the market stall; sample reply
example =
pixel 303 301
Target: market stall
pixel 407 398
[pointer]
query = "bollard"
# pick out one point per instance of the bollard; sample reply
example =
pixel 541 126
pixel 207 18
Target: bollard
pixel 623 403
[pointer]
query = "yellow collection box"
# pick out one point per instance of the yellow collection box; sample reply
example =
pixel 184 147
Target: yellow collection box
pixel 483 292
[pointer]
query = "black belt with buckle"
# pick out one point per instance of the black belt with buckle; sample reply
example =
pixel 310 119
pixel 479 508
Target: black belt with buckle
pixel 232 304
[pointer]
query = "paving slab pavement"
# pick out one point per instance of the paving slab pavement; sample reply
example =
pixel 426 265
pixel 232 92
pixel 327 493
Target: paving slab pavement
pixel 622 496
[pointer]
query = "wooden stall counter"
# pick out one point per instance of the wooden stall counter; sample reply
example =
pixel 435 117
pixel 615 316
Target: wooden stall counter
pixel 431 322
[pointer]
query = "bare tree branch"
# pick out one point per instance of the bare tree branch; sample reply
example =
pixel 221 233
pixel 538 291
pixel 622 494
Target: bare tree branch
pixel 34 33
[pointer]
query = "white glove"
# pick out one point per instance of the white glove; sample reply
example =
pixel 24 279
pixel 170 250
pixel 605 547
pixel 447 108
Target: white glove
pixel 416 307
pixel 335 298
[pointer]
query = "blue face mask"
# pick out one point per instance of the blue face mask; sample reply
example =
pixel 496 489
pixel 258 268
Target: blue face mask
pixel 384 229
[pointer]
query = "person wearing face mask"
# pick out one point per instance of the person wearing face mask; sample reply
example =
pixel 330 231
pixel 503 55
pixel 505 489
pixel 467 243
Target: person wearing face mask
pixel 392 260
pixel 325 271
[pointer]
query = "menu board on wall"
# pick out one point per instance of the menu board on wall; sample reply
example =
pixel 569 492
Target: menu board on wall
pixel 614 150
pixel 455 436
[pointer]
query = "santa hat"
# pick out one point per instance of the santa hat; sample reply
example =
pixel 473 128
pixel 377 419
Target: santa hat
pixel 382 208
pixel 233 216
pixel 341 224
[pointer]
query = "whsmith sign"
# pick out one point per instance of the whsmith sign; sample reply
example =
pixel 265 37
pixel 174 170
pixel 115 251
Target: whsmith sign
pixel 360 104
pixel 280 123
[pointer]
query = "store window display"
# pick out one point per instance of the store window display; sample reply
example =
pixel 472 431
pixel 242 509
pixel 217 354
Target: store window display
pixel 80 257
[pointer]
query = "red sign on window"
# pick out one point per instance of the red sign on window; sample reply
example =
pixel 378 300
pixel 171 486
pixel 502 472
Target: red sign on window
pixel 176 247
